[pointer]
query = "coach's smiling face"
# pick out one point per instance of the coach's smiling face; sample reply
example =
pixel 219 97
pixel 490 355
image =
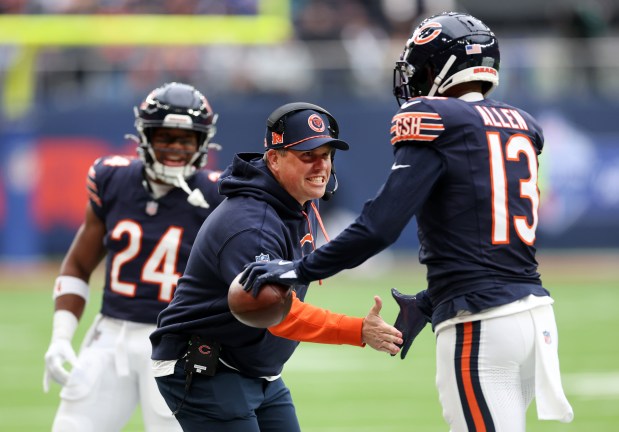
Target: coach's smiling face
pixel 304 174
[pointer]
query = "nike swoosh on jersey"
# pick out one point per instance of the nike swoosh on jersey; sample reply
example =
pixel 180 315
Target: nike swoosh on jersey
pixel 395 166
pixel 409 103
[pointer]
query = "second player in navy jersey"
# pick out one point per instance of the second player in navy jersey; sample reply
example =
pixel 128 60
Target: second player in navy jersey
pixel 466 167
pixel 148 240
pixel 143 215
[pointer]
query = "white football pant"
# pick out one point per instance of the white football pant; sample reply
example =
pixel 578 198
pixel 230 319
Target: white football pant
pixel 112 376
pixel 489 371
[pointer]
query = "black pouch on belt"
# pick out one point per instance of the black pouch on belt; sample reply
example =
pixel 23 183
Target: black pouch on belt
pixel 202 357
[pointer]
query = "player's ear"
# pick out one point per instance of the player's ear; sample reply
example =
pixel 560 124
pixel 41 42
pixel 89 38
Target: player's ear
pixel 273 159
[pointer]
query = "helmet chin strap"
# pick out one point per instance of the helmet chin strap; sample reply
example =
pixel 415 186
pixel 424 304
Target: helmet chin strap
pixel 195 198
pixel 441 76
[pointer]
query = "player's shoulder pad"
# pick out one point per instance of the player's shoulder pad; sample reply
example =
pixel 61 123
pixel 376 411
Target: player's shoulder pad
pixel 112 162
pixel 106 167
pixel 102 172
pixel 417 122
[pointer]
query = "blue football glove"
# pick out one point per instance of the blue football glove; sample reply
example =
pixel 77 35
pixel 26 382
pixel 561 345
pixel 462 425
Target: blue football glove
pixel 278 271
pixel 411 319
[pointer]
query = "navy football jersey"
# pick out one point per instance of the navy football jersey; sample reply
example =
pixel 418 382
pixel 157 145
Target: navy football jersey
pixel 477 225
pixel 468 172
pixel 147 240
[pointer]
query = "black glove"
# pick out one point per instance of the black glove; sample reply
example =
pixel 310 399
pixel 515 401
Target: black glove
pixel 410 320
pixel 278 271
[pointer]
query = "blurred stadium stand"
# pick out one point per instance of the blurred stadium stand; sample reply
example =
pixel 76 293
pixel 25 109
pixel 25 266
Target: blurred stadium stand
pixel 64 105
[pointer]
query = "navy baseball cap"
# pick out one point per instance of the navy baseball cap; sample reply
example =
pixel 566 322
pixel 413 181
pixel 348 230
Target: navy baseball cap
pixel 302 130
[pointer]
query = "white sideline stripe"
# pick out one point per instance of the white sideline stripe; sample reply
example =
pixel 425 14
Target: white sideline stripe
pixel 592 384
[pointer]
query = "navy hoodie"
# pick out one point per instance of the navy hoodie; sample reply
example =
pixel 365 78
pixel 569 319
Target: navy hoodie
pixel 257 220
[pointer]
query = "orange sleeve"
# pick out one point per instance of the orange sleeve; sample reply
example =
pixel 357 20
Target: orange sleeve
pixel 309 323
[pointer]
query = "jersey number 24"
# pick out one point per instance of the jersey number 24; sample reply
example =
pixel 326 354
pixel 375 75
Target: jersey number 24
pixel 160 266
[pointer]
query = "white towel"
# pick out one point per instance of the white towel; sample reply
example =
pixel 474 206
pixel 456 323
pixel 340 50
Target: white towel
pixel 549 395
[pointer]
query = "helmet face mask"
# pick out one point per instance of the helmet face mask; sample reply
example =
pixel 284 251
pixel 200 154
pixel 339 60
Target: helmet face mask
pixel 404 87
pixel 446 50
pixel 178 106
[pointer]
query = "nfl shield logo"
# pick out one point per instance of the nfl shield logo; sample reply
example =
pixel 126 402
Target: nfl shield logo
pixel 547 338
pixel 262 257
pixel 151 208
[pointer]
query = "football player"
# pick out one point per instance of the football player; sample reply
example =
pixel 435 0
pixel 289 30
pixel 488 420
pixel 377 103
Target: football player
pixel 466 167
pixel 143 215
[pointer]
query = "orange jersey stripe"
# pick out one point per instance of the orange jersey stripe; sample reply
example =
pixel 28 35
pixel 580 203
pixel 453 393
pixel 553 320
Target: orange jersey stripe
pixel 95 198
pixel 91 185
pixel 413 137
pixel 415 126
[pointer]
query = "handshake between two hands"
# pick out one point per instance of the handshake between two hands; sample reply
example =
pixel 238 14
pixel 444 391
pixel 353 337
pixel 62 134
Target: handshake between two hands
pixel 411 319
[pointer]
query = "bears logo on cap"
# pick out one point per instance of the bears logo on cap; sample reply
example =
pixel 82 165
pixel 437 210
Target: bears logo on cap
pixel 302 129
pixel 315 123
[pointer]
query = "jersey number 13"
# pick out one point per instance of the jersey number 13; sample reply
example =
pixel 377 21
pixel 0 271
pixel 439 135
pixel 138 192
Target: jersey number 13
pixel 517 146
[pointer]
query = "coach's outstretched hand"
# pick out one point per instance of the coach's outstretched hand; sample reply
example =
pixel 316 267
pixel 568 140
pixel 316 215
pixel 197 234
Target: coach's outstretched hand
pixel 377 333
pixel 411 319
pixel 278 271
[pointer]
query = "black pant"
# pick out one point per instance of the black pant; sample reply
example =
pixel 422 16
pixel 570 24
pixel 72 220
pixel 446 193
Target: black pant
pixel 229 402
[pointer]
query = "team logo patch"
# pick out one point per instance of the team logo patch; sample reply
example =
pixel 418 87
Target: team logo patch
pixel 483 69
pixel 263 257
pixel 315 123
pixel 427 33
pixel 277 138
pixel 547 337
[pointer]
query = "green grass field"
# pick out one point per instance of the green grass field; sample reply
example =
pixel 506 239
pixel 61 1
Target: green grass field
pixel 341 388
